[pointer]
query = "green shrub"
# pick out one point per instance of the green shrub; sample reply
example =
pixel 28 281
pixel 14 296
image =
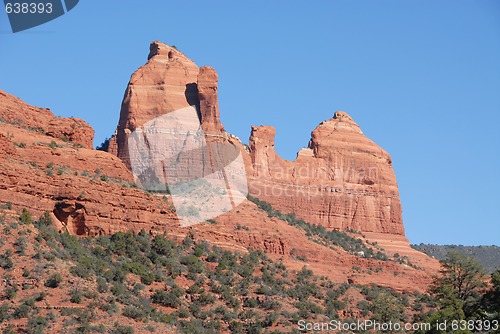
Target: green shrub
pixel 21 311
pixel 54 281
pixel 76 296
pixel 11 291
pixel 251 302
pixel 206 299
pixel 104 145
pixel 242 227
pixel 20 245
pixel 25 217
pixel 80 271
pixel 7 206
pixel 37 324
pixel 268 304
pixel 4 312
pixel 5 260
pixel 270 319
pixel 134 312
pixel 165 298
pixel 161 245
pixel 121 329
pixel 45 219
pixel 41 296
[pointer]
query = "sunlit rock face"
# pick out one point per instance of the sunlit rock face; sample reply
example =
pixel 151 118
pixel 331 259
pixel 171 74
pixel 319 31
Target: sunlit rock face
pixel 341 180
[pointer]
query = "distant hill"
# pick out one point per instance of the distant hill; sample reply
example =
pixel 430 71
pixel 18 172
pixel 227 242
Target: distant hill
pixel 488 256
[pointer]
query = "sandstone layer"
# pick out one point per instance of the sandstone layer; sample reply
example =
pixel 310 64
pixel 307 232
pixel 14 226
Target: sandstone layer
pixel 88 192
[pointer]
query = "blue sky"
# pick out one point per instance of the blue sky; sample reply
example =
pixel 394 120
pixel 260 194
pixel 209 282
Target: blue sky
pixel 421 78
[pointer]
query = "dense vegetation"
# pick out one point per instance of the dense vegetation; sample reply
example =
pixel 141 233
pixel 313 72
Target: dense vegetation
pixel 465 297
pixel 488 256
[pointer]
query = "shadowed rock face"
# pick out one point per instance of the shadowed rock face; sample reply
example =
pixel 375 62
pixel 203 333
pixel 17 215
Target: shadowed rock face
pixel 342 180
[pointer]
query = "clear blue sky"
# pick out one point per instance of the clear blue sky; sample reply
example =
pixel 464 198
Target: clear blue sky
pixel 422 79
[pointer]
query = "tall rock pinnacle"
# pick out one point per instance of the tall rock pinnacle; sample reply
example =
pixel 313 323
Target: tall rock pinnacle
pixel 167 82
pixel 209 106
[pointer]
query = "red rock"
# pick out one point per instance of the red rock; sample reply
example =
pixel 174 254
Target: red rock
pixel 85 203
pixel 167 82
pixel 209 107
pixel 93 193
pixel 13 110
pixel 89 192
pixel 343 180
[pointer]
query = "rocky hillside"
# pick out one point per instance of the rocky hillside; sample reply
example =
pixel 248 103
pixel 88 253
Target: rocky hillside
pixel 337 247
pixel 137 283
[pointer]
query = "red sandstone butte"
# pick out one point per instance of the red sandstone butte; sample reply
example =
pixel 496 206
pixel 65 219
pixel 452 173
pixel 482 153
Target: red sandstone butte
pixel 167 82
pixel 342 180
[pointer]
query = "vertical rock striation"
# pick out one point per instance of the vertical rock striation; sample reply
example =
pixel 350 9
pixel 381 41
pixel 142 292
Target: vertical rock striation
pixel 209 107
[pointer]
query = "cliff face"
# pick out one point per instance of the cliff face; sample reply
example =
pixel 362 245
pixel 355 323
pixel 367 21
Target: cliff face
pixel 342 180
pixel 88 192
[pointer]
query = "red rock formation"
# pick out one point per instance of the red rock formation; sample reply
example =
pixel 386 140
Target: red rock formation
pixel 13 110
pixel 343 180
pixel 167 82
pixel 90 192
